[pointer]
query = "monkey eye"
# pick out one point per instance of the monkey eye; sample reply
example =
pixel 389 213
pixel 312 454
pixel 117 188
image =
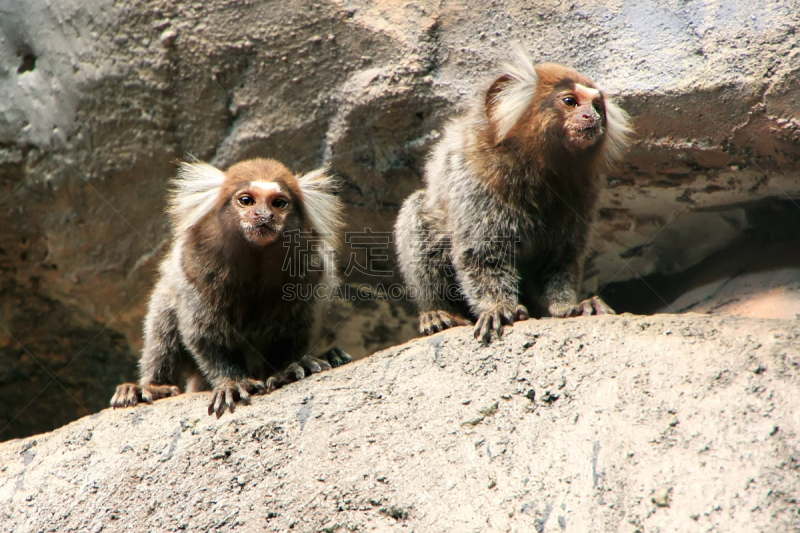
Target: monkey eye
pixel 246 200
pixel 280 203
pixel 598 106
pixel 571 101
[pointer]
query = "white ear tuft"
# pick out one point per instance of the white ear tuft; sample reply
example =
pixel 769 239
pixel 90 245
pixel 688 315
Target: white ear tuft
pixel 323 209
pixel 194 193
pixel 513 99
pixel 618 131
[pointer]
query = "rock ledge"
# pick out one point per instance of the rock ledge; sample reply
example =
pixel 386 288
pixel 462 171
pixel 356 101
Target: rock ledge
pixel 663 423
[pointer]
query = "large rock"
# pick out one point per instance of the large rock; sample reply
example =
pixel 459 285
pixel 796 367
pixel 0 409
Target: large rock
pixel 100 98
pixel 667 423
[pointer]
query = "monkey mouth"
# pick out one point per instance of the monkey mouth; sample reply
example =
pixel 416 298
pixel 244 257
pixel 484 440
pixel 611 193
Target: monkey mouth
pixel 591 130
pixel 583 137
pixel 262 233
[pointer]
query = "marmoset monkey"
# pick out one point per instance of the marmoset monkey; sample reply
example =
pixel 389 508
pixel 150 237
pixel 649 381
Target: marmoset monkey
pixel 217 316
pixel 502 226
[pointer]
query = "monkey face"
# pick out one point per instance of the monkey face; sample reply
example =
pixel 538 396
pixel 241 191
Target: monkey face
pixel 262 208
pixel 584 116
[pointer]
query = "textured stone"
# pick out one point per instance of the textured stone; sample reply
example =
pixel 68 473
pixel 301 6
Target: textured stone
pixel 669 423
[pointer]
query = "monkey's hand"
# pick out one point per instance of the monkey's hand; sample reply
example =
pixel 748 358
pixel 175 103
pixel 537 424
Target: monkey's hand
pixel 130 394
pixel 337 357
pixel 297 371
pixel 588 307
pixel 494 319
pixel 431 322
pixel 224 396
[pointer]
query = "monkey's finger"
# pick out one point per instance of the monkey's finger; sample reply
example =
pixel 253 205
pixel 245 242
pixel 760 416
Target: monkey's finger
pixel 118 400
pixel 315 365
pixel 432 324
pixel 483 329
pixel 120 397
pixel 586 306
pixel 272 384
pixel 452 321
pixel 230 401
pixel 337 357
pixel 462 321
pixel 477 331
pixel 601 308
pixel 244 396
pixel 424 324
pixel 447 320
pixel 217 398
pixel 259 387
pixel 497 324
pixel 521 313
pixel 131 396
pixel 293 373
pixel 575 311
pixel 507 316
pixel 147 395
pixel 124 400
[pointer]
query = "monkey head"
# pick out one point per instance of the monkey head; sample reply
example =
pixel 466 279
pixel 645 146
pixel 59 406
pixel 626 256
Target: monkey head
pixel 254 202
pixel 550 107
pixel 262 197
pixel 262 209
pixel 582 113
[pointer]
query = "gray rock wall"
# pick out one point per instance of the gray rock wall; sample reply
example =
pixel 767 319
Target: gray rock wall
pixel 100 98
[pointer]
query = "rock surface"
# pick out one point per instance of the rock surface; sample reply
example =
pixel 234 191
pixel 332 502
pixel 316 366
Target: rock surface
pixel 666 423
pixel 100 98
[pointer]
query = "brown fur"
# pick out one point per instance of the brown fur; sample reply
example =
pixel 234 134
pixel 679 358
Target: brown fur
pixel 529 175
pixel 219 312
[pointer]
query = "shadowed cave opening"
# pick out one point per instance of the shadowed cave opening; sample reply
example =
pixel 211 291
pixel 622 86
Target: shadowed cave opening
pixel 756 275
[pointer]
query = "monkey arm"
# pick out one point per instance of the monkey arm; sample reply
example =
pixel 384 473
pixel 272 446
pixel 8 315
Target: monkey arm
pixel 224 365
pixel 559 295
pixel 488 276
pixel 163 358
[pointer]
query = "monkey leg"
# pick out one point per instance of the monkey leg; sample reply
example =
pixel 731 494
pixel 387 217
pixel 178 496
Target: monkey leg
pixel 496 318
pixel 164 358
pixel 427 268
pixel 225 395
pixel 130 394
pixel 588 307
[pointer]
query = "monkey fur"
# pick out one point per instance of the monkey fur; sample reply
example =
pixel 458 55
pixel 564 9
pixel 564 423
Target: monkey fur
pixel 217 317
pixel 500 230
